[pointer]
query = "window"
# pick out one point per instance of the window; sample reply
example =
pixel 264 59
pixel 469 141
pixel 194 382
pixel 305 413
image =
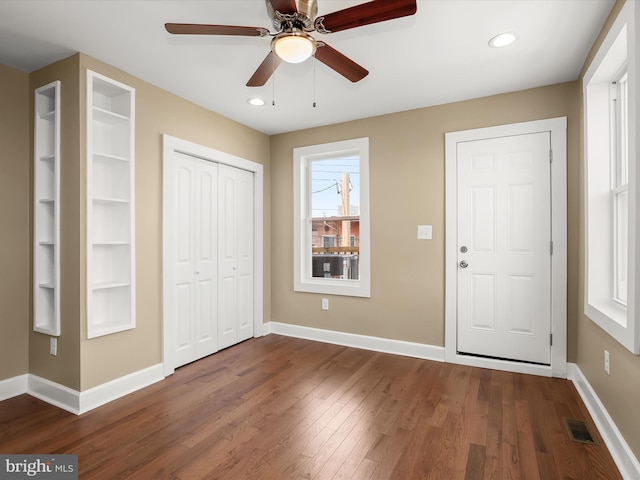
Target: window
pixel 331 223
pixel 611 127
pixel 620 184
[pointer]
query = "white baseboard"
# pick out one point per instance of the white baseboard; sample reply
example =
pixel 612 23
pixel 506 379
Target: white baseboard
pixel 385 345
pixel 79 402
pixel 107 392
pixel 14 386
pixel 54 393
pixel 620 451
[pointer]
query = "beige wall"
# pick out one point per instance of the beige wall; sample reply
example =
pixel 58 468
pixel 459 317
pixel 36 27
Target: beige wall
pixel 82 363
pixel 620 391
pixel 407 179
pixel 158 112
pixel 65 367
pixel 15 263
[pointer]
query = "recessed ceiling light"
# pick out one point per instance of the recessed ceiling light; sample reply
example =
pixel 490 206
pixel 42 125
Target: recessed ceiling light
pixel 256 102
pixel 503 39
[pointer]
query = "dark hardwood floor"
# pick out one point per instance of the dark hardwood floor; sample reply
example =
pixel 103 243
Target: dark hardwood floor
pixel 284 408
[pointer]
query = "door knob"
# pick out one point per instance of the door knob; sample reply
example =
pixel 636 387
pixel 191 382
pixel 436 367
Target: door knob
pixel 463 264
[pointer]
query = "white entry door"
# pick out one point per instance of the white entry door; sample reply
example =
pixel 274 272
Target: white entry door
pixel 194 256
pixel 235 256
pixel 504 248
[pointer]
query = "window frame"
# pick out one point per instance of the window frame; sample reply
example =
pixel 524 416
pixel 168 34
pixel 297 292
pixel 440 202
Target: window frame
pixel 619 123
pixel 303 279
pixel 603 183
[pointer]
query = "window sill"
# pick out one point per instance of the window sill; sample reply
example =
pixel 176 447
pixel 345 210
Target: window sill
pixel 349 288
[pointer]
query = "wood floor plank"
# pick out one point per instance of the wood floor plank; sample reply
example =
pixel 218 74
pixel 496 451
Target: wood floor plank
pixel 285 408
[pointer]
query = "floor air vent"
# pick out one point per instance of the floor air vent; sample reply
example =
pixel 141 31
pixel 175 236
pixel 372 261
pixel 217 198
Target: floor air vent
pixel 578 431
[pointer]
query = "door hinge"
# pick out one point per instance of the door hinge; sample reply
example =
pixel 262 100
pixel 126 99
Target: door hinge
pixel 551 339
pixel 551 247
pixel 550 156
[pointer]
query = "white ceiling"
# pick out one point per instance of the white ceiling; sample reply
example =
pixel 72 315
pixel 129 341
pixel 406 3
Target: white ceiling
pixel 439 55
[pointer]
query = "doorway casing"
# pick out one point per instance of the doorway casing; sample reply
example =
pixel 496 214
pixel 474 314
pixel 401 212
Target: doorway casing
pixel 558 129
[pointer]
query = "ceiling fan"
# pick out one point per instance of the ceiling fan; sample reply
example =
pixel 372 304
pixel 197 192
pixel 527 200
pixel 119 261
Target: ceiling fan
pixel 293 20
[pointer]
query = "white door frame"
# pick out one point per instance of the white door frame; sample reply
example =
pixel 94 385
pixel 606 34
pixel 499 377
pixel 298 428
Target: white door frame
pixel 172 145
pixel 558 129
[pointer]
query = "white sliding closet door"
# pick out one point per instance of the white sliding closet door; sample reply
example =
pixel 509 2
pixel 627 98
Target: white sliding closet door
pixel 235 255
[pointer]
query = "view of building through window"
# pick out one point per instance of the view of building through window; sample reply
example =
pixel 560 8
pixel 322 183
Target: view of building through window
pixel 335 217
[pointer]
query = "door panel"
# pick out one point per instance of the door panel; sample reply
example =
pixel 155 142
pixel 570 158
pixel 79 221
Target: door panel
pixel 236 256
pixel 245 254
pixel 194 262
pixel 228 258
pixel 206 271
pixel 504 218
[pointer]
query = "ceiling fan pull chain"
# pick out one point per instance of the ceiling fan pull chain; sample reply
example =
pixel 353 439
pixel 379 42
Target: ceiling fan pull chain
pixel 273 82
pixel 314 81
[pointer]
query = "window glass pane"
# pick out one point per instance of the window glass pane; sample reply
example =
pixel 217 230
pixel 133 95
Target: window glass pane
pixel 623 130
pixel 622 244
pixel 335 217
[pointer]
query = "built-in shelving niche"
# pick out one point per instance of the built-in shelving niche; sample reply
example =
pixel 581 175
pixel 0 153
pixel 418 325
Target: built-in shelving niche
pixel 110 206
pixel 46 209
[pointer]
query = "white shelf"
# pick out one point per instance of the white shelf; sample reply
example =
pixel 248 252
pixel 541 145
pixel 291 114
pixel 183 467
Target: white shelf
pixel 46 215
pixel 110 206
pixel 102 286
pixel 106 116
pixel 107 157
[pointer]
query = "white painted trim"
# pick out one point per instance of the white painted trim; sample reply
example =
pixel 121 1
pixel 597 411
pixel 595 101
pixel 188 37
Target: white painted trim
pixel 54 394
pixel 621 324
pixel 625 460
pixel 170 146
pixel 14 386
pixel 376 344
pixel 557 127
pixel 107 392
pixel 79 402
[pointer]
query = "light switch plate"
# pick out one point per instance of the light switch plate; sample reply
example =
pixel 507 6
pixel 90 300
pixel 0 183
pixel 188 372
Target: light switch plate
pixel 425 232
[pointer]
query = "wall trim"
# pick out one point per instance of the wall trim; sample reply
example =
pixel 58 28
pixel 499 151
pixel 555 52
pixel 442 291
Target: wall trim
pixel 376 344
pixel 14 386
pixel 107 392
pixel 79 402
pixel 620 451
pixel 54 394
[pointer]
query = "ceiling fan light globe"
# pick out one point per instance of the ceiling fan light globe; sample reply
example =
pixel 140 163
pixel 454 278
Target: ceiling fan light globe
pixel 294 48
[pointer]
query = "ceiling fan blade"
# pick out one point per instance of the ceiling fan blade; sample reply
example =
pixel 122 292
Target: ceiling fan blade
pixel 287 7
pixel 365 14
pixel 265 70
pixel 200 29
pixel 341 64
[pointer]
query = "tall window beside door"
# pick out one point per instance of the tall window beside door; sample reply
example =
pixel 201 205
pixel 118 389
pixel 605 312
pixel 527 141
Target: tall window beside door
pixel 331 218
pixel 612 129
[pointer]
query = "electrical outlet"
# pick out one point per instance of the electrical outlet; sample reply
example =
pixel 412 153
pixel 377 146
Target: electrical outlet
pixel 607 363
pixel 53 346
pixel 325 304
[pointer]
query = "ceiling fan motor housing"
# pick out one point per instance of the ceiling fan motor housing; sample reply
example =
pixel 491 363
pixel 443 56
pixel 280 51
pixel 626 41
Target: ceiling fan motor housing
pixel 302 17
